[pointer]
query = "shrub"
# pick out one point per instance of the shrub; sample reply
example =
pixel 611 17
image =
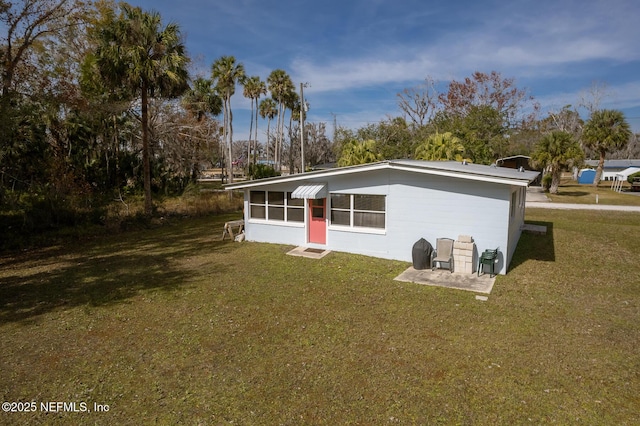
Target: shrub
pixel 261 171
pixel 630 178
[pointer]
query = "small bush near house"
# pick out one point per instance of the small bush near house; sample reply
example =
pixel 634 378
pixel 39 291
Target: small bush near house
pixel 261 171
pixel 632 177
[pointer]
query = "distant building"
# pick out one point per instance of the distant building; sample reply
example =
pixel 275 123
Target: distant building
pixel 613 167
pixel 515 162
pixel 519 162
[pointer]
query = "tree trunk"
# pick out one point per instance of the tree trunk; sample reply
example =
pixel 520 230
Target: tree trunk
pixel 255 139
pixel 230 162
pixel 555 180
pixel 268 145
pixel 223 160
pixel 250 136
pixel 146 164
pixel 276 139
pixel 599 169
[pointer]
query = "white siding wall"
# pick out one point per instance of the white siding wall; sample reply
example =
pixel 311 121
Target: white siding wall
pixel 518 195
pixel 373 243
pixel 434 207
pixel 418 206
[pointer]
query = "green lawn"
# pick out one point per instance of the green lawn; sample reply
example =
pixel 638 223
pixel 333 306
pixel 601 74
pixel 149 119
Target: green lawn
pixel 173 326
pixel 571 192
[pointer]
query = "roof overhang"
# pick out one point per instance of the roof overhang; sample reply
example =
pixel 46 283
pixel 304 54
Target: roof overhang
pixel 310 191
pixel 476 172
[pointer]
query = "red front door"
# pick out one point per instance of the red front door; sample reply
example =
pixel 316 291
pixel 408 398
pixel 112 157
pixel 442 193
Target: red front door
pixel 317 221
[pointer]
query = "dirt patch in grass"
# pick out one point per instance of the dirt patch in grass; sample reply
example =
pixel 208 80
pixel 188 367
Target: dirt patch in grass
pixel 172 325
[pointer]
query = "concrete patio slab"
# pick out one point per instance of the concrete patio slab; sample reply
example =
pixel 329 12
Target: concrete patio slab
pixel 443 278
pixel 310 253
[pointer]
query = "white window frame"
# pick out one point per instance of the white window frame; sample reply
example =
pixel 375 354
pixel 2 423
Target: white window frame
pixel 286 206
pixel 351 227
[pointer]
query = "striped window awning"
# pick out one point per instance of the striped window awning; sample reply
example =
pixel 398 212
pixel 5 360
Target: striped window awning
pixel 312 191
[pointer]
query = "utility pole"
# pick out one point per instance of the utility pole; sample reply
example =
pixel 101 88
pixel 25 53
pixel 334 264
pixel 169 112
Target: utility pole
pixel 302 108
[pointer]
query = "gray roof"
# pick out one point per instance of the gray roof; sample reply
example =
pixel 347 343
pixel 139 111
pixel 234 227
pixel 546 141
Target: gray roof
pixel 471 169
pixel 453 169
pixel 615 164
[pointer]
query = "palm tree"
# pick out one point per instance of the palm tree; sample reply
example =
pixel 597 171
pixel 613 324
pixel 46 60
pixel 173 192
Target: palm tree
pixel 268 110
pixel 253 89
pixel 292 103
pixel 227 73
pixel 355 152
pixel 440 147
pixel 201 99
pixel 607 130
pixel 555 151
pixel 136 53
pixel 280 85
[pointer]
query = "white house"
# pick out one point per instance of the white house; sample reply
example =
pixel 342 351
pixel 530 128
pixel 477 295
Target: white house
pixel 381 209
pixel 612 167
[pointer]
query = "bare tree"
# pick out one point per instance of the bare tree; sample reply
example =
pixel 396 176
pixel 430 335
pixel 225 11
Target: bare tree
pixel 26 22
pixel 491 90
pixel 419 103
pixel 591 98
pixel 566 120
pixel 319 147
pixel 185 142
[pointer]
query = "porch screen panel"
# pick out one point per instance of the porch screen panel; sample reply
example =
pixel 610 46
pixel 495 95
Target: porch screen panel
pixel 276 205
pixel 257 204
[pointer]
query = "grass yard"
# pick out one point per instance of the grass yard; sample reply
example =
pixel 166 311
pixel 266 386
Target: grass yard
pixel 173 326
pixel 572 192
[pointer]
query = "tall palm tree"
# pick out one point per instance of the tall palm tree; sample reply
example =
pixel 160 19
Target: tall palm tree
pixel 440 147
pixel 253 89
pixel 268 110
pixel 201 99
pixel 135 52
pixel 607 130
pixel 292 104
pixel 555 151
pixel 280 85
pixel 227 73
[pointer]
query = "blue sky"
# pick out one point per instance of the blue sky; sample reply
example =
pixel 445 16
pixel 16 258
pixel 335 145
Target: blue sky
pixel 356 55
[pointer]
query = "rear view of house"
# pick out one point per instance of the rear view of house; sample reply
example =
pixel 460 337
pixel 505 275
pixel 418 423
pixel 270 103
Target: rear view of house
pixel 381 209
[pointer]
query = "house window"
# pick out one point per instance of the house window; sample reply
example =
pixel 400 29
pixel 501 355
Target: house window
pixel 258 204
pixel 295 209
pixel 275 206
pixel 358 211
pixel 341 209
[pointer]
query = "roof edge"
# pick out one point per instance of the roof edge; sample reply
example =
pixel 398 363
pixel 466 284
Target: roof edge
pixel 408 165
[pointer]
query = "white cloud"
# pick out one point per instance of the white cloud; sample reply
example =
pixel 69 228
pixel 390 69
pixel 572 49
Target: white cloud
pixel 544 40
pixel 353 73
